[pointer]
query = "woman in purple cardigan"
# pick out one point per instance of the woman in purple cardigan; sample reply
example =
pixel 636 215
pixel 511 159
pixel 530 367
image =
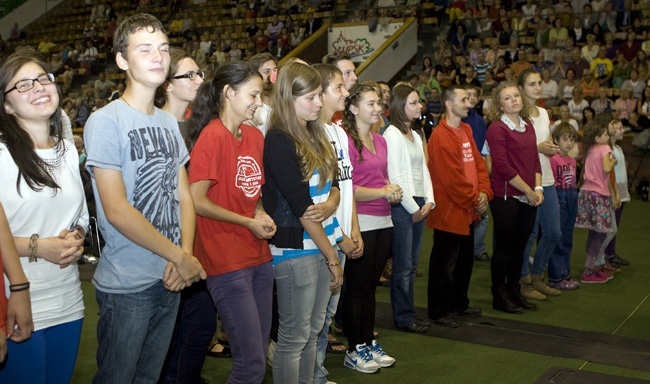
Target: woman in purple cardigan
pixel 516 181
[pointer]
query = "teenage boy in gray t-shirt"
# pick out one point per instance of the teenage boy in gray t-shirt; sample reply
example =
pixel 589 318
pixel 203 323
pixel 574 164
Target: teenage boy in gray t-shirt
pixel 136 157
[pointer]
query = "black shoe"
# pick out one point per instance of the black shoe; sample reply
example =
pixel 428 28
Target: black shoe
pixel 618 261
pixel 225 352
pixel 423 322
pixel 518 299
pixel 447 322
pixel 502 302
pixel 469 311
pixel 415 328
pixel 483 257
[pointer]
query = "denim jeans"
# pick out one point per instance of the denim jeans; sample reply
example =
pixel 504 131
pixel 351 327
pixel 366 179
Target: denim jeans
pixel 450 271
pixel 195 325
pixel 244 299
pixel 548 219
pixel 47 357
pixel 134 332
pixel 559 265
pixel 407 240
pixel 480 230
pixel 303 286
pixel 320 372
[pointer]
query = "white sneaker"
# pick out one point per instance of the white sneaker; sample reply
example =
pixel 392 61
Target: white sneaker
pixel 361 360
pixel 379 356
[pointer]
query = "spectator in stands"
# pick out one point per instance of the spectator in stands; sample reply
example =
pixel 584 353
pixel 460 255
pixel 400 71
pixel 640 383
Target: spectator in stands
pixel 459 41
pixel 273 29
pixel 312 24
pixel 260 42
pixel 622 71
pixel 117 93
pixel 89 55
pixel 611 45
pixel 297 36
pixel 493 53
pixel 635 83
pixel 559 33
pixel 542 34
pixel 447 73
pixel 481 66
pixel 643 107
pixel 484 25
pixel 558 68
pixel 511 52
pixel 566 86
pixel 589 86
pixel 642 64
pixel 252 28
pixel 15 33
pixel 521 63
pixel 577 104
pixel 506 35
pixel 578 33
pixel 489 83
pixel 549 89
pixel 578 64
pixel 589 18
pixel 102 86
pixel 601 67
pixel 590 51
pixel 565 117
pixel 198 55
pixel 280 50
pixel 626 104
pixel 602 104
pixel 443 51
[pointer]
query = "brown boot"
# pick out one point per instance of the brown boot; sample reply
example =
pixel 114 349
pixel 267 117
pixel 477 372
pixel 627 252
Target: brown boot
pixel 528 291
pixel 540 285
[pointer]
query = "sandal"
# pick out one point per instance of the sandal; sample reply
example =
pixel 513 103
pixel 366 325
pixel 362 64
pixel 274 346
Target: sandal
pixel 331 345
pixel 224 353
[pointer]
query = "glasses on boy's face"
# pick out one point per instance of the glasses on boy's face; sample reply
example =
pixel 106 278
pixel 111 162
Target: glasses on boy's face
pixel 27 84
pixel 192 75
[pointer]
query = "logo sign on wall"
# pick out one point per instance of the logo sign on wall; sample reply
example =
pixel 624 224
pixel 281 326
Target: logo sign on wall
pixel 357 41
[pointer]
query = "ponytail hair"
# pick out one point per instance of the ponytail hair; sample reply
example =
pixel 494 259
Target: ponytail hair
pixel 209 101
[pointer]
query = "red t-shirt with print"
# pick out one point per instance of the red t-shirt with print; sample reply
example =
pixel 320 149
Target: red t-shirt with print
pixel 236 173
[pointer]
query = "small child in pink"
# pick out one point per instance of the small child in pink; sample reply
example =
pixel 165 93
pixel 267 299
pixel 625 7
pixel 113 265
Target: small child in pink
pixel 595 205
pixel 564 172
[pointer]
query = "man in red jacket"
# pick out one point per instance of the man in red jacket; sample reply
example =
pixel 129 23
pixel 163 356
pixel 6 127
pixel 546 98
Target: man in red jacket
pixel 462 187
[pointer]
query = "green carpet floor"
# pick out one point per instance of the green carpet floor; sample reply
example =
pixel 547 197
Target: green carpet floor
pixel 597 323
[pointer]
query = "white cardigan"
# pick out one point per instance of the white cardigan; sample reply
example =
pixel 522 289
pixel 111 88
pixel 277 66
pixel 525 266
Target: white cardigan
pixel 399 168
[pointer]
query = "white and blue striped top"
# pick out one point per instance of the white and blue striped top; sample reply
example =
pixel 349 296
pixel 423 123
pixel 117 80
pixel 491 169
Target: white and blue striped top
pixel 330 225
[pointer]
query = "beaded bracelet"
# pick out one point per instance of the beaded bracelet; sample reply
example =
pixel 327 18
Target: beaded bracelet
pixel 19 287
pixel 33 248
pixel 334 264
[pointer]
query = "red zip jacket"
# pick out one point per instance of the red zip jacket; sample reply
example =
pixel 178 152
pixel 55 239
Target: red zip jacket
pixel 455 193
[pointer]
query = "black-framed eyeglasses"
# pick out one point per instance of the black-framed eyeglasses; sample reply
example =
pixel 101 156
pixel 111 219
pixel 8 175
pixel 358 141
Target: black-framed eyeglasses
pixel 192 75
pixel 27 84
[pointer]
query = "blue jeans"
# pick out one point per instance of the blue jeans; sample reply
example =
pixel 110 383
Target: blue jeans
pixel 195 326
pixel 407 240
pixel 303 286
pixel 244 299
pixel 480 230
pixel 48 357
pixel 548 219
pixel 320 372
pixel 134 331
pixel 559 265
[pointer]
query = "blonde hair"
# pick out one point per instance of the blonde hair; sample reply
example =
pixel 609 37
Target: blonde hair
pixel 313 147
pixel 495 111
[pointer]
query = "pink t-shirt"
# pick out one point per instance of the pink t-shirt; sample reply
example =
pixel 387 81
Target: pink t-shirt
pixel 564 171
pixel 371 173
pixel 595 178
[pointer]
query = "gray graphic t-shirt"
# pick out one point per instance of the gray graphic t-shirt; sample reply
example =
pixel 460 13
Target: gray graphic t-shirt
pixel 148 150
